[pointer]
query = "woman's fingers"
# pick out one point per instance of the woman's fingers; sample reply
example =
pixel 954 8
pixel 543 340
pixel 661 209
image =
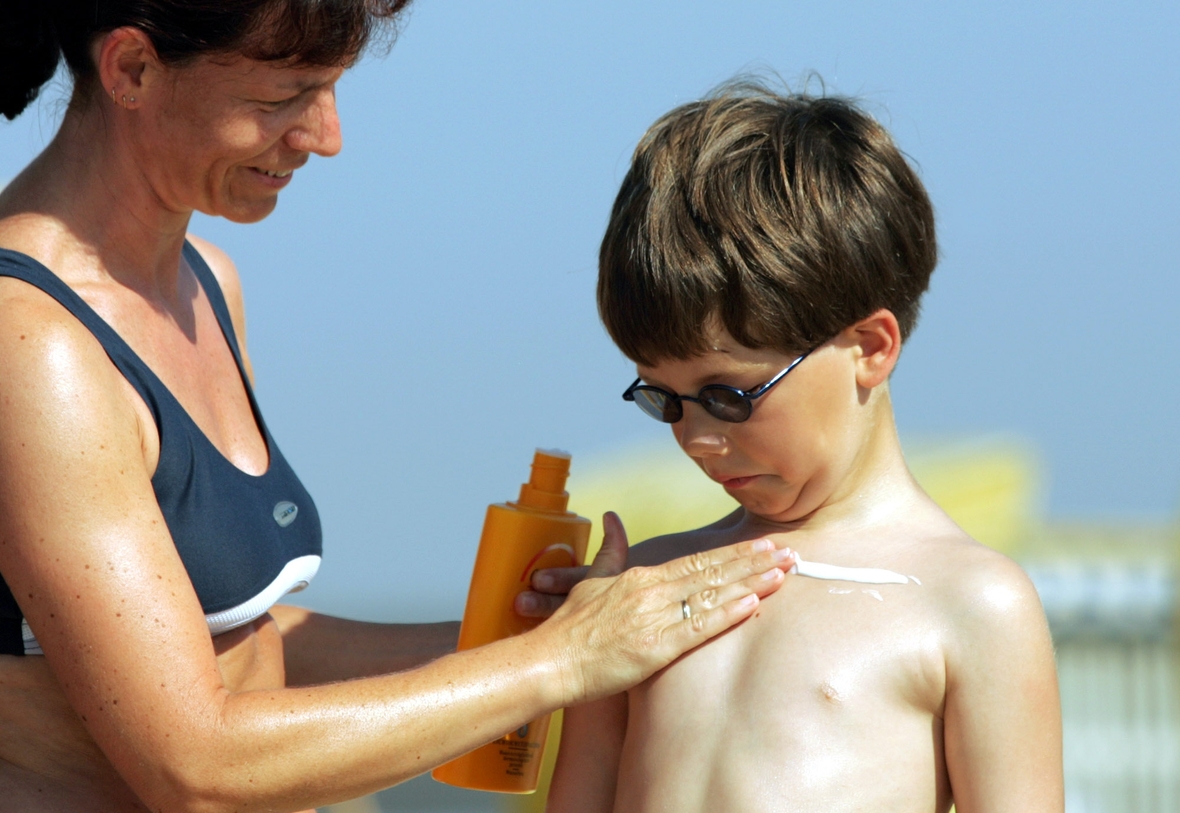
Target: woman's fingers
pixel 558 581
pixel 617 631
pixel 714 577
pixel 530 604
pixel 699 627
pixel 758 553
pixel 551 585
pixel 612 558
pixel 759 584
pixel 722 591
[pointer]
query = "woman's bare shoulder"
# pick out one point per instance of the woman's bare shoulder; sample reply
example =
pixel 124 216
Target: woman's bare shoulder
pixel 226 274
pixel 41 341
pixel 58 387
pixel 220 264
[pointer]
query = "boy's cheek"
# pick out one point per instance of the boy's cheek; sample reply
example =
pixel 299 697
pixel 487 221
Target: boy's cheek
pixel 799 481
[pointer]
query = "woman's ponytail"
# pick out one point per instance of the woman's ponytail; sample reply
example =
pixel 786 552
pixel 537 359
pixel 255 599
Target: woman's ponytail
pixel 29 53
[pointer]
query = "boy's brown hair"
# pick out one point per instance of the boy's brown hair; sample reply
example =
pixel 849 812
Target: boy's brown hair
pixel 784 218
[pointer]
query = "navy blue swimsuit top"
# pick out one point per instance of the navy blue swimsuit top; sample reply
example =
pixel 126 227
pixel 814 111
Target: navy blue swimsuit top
pixel 245 540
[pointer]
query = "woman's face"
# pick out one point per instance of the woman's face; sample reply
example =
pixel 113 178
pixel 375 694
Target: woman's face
pixel 224 136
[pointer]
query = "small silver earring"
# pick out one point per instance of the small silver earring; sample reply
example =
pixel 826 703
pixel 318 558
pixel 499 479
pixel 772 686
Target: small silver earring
pixel 133 100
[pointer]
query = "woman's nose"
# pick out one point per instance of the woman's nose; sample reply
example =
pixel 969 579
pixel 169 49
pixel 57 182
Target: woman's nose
pixel 318 129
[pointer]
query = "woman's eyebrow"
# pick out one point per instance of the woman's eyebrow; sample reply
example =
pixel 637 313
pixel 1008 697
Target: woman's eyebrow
pixel 308 84
pixel 307 79
pixel 296 86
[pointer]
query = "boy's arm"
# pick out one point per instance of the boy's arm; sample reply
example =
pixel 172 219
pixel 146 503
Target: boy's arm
pixel 588 762
pixel 1003 714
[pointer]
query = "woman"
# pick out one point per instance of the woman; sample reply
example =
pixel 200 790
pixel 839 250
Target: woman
pixel 148 522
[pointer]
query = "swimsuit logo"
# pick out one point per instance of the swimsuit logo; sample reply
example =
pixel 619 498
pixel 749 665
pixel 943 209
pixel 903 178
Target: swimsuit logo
pixel 285 513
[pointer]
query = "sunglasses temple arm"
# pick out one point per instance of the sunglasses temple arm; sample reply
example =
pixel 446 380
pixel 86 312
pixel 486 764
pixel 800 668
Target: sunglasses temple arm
pixel 762 390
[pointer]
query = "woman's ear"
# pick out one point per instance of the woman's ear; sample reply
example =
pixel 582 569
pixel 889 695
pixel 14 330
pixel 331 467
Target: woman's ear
pixel 877 341
pixel 123 58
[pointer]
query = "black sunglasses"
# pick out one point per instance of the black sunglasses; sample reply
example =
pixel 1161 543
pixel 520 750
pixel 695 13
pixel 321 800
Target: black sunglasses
pixel 722 402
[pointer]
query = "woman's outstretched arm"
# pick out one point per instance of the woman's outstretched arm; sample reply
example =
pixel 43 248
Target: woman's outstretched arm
pixel 320 648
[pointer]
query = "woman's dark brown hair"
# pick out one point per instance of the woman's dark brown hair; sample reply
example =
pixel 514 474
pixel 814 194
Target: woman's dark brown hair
pixel 782 218
pixel 36 34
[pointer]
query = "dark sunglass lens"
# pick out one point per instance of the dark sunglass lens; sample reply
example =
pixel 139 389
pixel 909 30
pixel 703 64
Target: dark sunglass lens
pixel 658 405
pixel 725 404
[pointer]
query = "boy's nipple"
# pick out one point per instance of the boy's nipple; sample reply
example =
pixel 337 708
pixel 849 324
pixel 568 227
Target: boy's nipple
pixel 830 693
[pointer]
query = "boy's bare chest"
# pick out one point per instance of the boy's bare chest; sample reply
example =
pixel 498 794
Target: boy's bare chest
pixel 817 654
pixel 829 698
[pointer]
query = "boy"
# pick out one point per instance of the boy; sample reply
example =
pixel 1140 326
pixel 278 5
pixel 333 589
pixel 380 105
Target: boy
pixel 763 264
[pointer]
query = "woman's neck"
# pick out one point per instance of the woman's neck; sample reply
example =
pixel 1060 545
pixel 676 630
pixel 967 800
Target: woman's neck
pixel 86 208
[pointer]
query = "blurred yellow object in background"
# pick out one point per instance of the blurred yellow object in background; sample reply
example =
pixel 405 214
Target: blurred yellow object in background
pixel 990 486
pixel 655 489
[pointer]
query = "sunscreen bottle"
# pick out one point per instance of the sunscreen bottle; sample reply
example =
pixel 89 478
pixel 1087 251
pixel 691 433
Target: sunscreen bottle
pixel 518 537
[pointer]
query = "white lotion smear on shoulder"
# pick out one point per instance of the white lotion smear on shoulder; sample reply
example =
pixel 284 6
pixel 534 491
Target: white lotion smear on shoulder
pixel 861 575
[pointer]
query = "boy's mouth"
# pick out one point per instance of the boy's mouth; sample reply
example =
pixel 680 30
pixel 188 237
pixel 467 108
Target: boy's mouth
pixel 736 482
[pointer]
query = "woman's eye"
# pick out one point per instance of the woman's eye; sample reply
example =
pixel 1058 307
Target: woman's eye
pixel 275 104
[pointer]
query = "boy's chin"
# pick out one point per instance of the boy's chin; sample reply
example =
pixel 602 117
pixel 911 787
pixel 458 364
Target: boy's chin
pixel 774 514
pixel 780 509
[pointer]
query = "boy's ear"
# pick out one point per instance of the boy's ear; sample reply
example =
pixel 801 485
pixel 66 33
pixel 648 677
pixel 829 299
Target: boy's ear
pixel 877 341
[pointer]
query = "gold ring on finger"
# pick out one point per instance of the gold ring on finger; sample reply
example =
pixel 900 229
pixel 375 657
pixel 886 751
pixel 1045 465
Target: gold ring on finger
pixel 685 610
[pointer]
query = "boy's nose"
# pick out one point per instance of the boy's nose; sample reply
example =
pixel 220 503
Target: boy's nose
pixel 699 435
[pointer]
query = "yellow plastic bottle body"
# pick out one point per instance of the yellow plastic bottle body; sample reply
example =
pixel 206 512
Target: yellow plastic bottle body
pixel 518 538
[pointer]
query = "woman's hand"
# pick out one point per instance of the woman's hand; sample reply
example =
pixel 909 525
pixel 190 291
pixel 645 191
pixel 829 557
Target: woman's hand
pixel 550 586
pixel 619 627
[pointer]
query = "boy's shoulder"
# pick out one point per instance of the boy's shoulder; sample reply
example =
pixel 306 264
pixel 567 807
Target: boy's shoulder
pixel 978 591
pixel 660 549
pixel 985 594
pixel 982 600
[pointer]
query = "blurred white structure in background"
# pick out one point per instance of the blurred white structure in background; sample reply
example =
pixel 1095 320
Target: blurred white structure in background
pixel 1111 597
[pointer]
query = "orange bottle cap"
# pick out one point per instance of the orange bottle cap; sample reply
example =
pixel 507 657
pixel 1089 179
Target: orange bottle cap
pixel 545 490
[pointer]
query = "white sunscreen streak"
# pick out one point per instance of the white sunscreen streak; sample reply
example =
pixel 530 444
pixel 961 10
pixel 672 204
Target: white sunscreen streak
pixel 861 575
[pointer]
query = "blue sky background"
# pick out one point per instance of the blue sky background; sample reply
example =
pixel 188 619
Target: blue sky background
pixel 421 307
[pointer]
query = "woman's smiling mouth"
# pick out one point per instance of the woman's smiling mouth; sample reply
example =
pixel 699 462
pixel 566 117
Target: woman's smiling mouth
pixel 276 178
